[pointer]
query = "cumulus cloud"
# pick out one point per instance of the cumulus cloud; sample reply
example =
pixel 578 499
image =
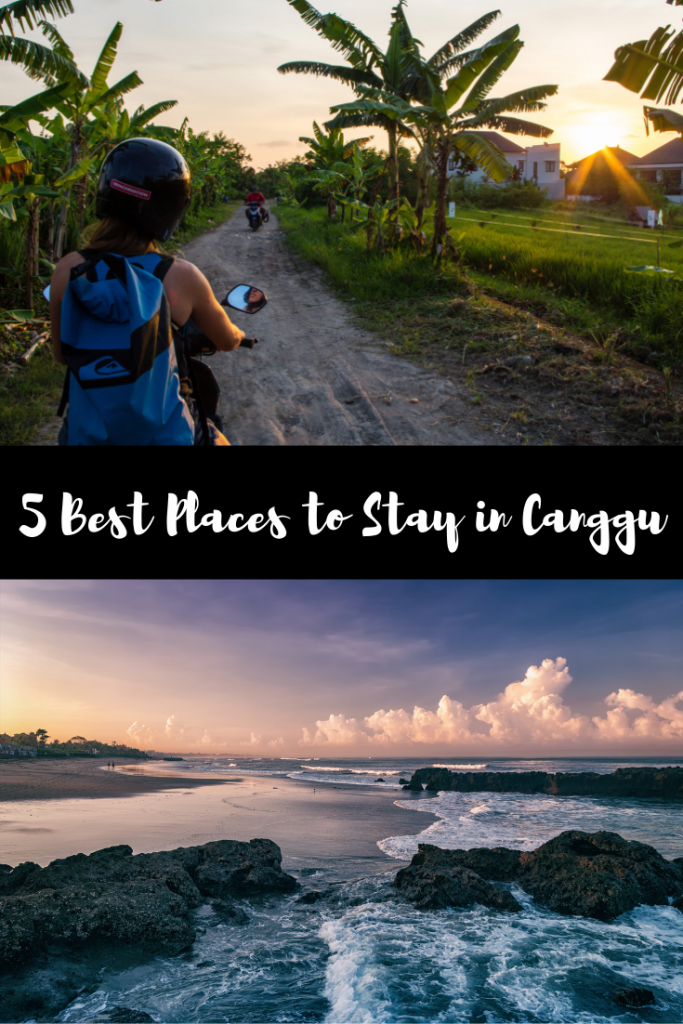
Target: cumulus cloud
pixel 655 721
pixel 528 712
pixel 174 730
pixel 140 735
pixel 279 742
pixel 253 741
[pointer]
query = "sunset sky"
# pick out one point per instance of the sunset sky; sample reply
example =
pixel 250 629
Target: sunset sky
pixel 346 667
pixel 218 58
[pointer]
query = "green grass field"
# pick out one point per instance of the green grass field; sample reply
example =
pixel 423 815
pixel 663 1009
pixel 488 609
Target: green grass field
pixel 578 276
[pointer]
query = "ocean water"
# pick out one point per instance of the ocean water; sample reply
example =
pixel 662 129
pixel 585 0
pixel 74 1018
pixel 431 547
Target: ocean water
pixel 360 957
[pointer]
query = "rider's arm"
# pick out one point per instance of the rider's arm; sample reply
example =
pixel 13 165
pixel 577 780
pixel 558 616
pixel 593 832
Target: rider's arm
pixel 60 280
pixel 190 295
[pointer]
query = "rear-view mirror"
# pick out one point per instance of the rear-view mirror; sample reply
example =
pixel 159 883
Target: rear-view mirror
pixel 245 298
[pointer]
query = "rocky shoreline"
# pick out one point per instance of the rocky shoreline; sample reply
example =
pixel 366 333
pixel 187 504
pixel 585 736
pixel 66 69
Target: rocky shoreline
pixel 59 924
pixel 62 925
pixel 664 783
pixel 584 874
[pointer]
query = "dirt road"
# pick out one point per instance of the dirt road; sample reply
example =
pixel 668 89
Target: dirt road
pixel 316 377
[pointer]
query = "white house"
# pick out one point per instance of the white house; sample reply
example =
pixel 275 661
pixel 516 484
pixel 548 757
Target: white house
pixel 664 166
pixel 539 163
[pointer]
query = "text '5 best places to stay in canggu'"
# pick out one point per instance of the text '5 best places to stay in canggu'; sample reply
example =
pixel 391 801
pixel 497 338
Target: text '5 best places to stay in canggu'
pixel 339 801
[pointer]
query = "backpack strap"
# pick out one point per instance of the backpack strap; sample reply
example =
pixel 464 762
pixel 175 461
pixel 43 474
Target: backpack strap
pixel 163 266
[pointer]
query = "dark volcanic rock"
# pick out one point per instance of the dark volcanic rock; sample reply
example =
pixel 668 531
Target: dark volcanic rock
pixel 633 996
pixel 311 897
pixel 678 904
pixel 597 875
pixel 433 881
pixel 230 912
pixel 144 899
pixel 665 783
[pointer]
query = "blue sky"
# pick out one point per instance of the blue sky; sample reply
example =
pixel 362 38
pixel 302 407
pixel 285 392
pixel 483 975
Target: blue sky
pixel 218 58
pixel 249 665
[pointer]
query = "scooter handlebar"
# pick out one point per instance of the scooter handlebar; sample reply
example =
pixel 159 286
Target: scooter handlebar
pixel 248 342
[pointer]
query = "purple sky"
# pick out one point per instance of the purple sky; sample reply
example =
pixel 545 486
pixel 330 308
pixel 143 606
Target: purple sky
pixel 347 667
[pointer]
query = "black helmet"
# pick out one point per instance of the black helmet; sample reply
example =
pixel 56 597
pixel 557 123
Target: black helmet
pixel 146 183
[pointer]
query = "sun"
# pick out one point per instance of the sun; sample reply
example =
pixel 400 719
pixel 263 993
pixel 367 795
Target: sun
pixel 586 138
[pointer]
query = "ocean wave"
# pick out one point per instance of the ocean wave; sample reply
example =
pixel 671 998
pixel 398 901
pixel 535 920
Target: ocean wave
pixel 388 963
pixel 459 767
pixel 356 771
pixel 522 821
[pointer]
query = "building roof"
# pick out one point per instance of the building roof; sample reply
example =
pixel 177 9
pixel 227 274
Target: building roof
pixel 622 155
pixel 669 153
pixel 503 144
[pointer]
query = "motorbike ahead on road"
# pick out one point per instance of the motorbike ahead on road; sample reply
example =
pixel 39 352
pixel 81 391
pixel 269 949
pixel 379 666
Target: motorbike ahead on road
pixel 205 389
pixel 256 215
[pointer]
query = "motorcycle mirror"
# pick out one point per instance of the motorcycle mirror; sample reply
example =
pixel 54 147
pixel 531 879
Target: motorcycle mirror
pixel 245 298
pixel 46 293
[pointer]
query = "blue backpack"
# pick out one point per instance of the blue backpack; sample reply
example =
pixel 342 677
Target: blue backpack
pixel 122 383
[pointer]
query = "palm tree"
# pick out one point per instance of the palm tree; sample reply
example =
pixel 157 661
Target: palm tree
pixel 654 68
pixel 370 68
pixel 444 131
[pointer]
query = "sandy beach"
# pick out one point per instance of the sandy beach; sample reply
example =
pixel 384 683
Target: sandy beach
pixel 63 779
pixel 58 808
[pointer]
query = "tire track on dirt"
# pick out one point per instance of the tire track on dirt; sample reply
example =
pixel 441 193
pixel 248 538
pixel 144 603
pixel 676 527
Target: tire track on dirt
pixel 316 378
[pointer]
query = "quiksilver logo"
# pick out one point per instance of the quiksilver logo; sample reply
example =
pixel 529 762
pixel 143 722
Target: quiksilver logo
pixel 102 368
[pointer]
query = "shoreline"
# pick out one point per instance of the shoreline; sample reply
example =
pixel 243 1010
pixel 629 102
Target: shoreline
pixel 57 810
pixel 35 779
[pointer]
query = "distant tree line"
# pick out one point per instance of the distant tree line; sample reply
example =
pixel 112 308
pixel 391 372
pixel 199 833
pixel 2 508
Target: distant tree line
pixel 77 746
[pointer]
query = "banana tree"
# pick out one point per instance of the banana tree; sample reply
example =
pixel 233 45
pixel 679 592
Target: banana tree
pixel 654 68
pixel 361 172
pixel 332 158
pixel 458 105
pixel 78 106
pixel 370 68
pixel 112 124
pixel 378 213
pixel 34 58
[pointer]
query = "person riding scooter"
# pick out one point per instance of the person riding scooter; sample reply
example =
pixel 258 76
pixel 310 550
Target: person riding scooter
pixel 258 199
pixel 113 305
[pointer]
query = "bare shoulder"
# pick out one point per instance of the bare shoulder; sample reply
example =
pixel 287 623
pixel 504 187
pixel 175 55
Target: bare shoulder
pixel 187 278
pixel 60 277
pixel 72 259
pixel 185 271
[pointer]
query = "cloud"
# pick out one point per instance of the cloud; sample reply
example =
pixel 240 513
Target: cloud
pixel 279 742
pixel 174 730
pixel 253 741
pixel 337 730
pixel 657 721
pixel 530 713
pixel 140 735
